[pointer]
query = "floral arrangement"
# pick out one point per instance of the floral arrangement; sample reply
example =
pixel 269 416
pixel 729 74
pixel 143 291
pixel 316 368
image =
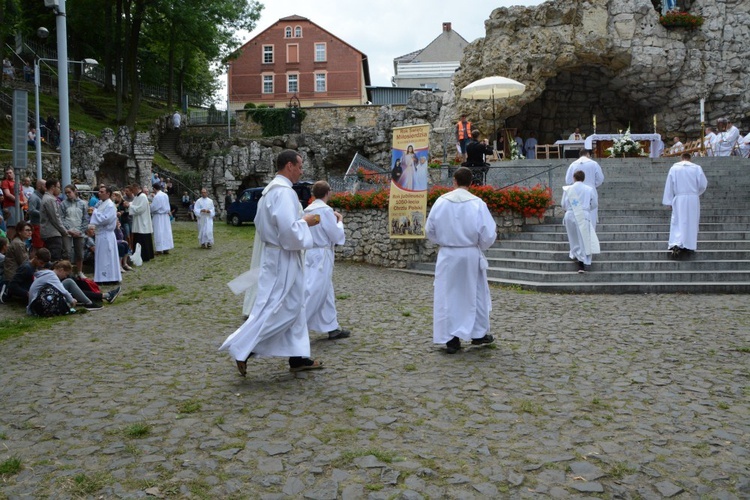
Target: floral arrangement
pixel 515 154
pixel 677 19
pixel 434 164
pixel 626 146
pixel 529 202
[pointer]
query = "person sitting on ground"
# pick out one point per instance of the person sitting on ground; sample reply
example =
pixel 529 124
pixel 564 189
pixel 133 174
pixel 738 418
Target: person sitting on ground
pixel 3 250
pixel 123 250
pixel 16 254
pixel 18 287
pixel 89 244
pixel 48 296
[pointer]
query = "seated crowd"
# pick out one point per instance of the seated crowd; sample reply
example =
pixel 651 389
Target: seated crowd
pixel 42 257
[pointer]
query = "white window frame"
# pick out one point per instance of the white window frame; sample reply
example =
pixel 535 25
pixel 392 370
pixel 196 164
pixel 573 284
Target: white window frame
pixel 289 77
pixel 267 79
pixel 265 53
pixel 325 82
pixel 325 52
pixel 288 32
pixel 298 32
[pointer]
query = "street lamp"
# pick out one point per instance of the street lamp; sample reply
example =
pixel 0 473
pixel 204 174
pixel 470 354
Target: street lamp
pixel 38 138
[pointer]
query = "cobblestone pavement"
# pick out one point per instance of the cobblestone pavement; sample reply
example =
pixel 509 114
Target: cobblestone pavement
pixel 636 396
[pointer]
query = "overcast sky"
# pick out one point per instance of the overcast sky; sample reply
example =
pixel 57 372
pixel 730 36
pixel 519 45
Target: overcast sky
pixel 381 29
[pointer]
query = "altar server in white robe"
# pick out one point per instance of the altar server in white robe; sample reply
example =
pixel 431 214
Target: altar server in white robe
pixel 205 212
pixel 160 215
pixel 594 177
pixel 579 202
pixel 726 138
pixel 320 302
pixel 461 224
pixel 708 141
pixel 744 143
pixel 106 259
pixel 277 324
pixel 685 183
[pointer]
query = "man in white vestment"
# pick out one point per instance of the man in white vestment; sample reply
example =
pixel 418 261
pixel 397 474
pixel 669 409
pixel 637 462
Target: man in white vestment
pixel 685 183
pixel 461 224
pixel 579 202
pixel 141 228
pixel 205 212
pixel 277 324
pixel 576 135
pixel 677 146
pixel 106 258
pixel 176 120
pixel 708 140
pixel 160 213
pixel 726 138
pixel 744 143
pixel 320 302
pixel 593 174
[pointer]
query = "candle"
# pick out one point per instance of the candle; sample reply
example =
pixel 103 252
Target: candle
pixel 594 119
pixel 702 110
pixel 654 123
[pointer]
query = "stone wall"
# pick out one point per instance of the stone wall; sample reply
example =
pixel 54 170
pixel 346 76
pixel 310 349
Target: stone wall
pixel 367 239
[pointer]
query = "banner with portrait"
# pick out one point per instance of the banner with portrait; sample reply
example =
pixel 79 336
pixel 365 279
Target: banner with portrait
pixel 407 206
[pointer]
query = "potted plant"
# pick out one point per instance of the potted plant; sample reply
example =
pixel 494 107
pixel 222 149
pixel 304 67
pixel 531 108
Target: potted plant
pixel 677 19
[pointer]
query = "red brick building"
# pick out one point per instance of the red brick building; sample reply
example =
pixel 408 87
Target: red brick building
pixel 297 58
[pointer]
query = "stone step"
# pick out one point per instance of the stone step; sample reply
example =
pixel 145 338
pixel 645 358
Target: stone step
pixel 661 219
pixel 562 252
pixel 624 236
pixel 606 246
pixel 621 276
pixel 618 287
pixel 668 264
pixel 624 227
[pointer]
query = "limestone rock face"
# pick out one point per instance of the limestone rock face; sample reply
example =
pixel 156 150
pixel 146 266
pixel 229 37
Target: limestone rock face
pixel 612 59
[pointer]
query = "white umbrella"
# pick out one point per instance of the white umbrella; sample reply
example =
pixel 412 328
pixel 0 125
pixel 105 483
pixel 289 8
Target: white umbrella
pixel 490 88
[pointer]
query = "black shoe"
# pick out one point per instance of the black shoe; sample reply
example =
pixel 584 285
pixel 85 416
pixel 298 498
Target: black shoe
pixel 112 295
pixel 338 333
pixel 487 339
pixel 675 251
pixel 581 267
pixel 453 345
pixel 92 307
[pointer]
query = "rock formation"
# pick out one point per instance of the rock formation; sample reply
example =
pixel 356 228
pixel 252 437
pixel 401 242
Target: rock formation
pixel 612 59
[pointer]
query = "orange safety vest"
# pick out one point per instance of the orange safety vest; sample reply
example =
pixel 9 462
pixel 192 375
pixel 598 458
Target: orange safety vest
pixel 464 132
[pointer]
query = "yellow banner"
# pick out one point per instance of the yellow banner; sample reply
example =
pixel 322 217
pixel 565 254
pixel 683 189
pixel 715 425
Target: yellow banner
pixel 407 206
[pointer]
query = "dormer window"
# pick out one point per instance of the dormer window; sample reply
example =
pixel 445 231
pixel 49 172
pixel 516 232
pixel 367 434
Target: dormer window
pixel 288 32
pixel 298 32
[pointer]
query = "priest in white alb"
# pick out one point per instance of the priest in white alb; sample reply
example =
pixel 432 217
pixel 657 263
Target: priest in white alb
pixel 461 224
pixel 205 212
pixel 160 215
pixel 726 138
pixel 277 324
pixel 686 182
pixel 106 258
pixel 320 302
pixel 593 174
pixel 579 202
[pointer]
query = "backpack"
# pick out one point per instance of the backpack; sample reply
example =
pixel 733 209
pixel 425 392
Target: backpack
pixel 49 302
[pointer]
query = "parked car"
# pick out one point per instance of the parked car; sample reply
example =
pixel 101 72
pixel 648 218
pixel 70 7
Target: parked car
pixel 244 209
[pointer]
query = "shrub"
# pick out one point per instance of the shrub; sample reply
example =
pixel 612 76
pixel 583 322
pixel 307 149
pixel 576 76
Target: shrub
pixel 529 202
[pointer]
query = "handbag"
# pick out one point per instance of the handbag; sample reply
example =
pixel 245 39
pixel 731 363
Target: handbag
pixel 49 302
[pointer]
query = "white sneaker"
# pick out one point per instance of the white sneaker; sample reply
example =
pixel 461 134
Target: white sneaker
pixel 81 276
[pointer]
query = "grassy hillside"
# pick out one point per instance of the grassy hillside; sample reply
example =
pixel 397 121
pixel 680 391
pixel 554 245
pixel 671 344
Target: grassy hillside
pixel 92 97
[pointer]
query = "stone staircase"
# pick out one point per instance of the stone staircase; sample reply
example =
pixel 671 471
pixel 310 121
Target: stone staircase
pixel 633 230
pixel 168 147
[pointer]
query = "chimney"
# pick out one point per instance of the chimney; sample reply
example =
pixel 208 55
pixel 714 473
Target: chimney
pixel 446 26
